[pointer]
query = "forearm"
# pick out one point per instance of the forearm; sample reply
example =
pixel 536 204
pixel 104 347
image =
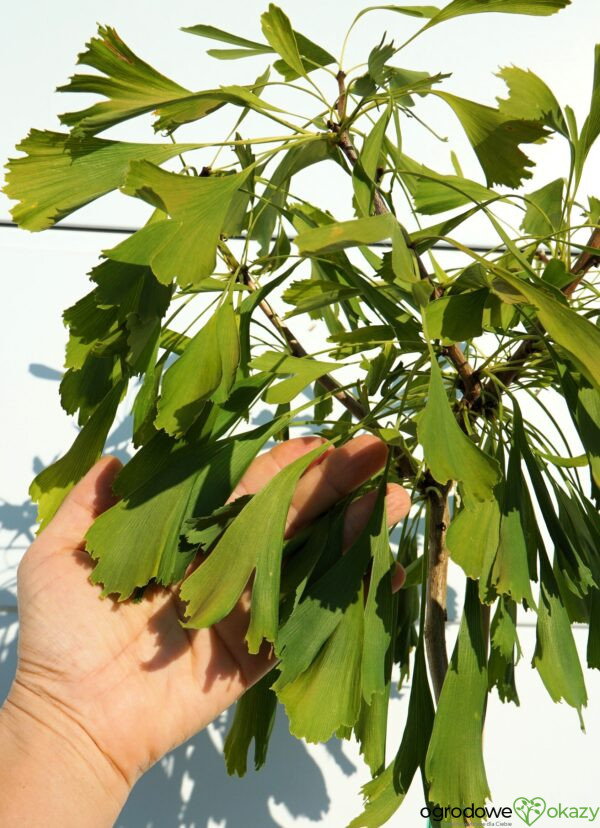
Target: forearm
pixel 52 773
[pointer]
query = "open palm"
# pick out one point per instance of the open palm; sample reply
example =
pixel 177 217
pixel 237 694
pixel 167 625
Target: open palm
pixel 135 680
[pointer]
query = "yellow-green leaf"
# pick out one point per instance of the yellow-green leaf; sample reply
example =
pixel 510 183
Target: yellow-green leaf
pixel 52 484
pixel 60 173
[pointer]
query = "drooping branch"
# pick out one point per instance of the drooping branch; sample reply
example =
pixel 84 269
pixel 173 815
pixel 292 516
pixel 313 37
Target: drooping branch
pixel 437 578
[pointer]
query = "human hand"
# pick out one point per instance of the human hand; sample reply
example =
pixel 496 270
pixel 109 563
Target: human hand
pixel 124 683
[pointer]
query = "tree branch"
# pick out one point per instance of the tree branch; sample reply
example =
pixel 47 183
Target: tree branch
pixel 454 353
pixel 435 609
pixel 296 348
pixel 516 362
pixel 437 577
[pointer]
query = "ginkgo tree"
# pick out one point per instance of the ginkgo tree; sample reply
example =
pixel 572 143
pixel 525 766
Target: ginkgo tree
pixel 438 360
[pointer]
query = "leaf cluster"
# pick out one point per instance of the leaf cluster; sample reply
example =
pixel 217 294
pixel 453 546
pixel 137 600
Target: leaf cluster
pixel 451 362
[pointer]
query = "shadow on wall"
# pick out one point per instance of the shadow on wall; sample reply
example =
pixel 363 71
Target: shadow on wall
pixel 190 787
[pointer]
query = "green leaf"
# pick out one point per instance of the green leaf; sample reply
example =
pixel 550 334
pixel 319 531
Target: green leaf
pixel 182 247
pixel 503 642
pixel 438 193
pixel 385 793
pixel 206 369
pixel 312 55
pixel 202 532
pixel 322 607
pixel 367 337
pixel 458 8
pixel 167 482
pixel 371 730
pixel 375 666
pixel 591 127
pixel 278 31
pixel 131 86
pixel 456 317
pixel 448 452
pixel 410 11
pixel 555 657
pixel 311 294
pixel 303 371
pixel 275 193
pixel 60 173
pixel 570 556
pixel 496 139
pixel 571 330
pixel 181 111
pixel 583 402
pixel 593 643
pixel 543 216
pixel 334 675
pixel 53 483
pixel 253 541
pixel 364 174
pixel 330 238
pixel 530 99
pixel 458 725
pixel 510 572
pixel 472 537
pixel 253 720
pixel 212 33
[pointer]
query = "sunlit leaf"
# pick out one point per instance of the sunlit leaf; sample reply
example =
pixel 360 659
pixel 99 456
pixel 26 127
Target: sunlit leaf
pixel 278 31
pixel 60 174
pixel 495 139
pixel 53 483
pixel 364 175
pixel 574 332
pixel 333 675
pixel 544 210
pixel 207 366
pixel 130 85
pixel 530 99
pixel 458 8
pixel 181 247
pixel 591 127
pixel 456 317
pixel 504 651
pixel 473 536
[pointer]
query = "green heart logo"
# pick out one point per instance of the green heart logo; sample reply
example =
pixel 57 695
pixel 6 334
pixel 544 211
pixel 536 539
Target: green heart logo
pixel 529 810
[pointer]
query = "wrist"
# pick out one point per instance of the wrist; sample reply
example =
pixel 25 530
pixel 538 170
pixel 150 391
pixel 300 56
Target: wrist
pixel 57 774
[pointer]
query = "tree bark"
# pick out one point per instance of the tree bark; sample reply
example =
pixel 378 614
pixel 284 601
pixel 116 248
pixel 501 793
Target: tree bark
pixel 437 578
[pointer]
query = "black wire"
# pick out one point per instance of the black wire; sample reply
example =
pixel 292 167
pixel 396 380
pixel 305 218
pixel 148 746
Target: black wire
pixel 128 231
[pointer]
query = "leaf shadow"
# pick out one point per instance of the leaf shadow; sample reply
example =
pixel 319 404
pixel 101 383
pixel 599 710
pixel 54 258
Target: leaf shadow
pixel 191 787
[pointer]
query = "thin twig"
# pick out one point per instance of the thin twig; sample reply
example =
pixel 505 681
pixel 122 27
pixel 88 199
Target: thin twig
pixel 296 348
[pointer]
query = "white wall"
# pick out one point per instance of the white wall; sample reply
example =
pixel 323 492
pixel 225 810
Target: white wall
pixel 42 274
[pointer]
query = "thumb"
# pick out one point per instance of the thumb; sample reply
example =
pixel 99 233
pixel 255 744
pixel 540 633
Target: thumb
pixel 91 496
